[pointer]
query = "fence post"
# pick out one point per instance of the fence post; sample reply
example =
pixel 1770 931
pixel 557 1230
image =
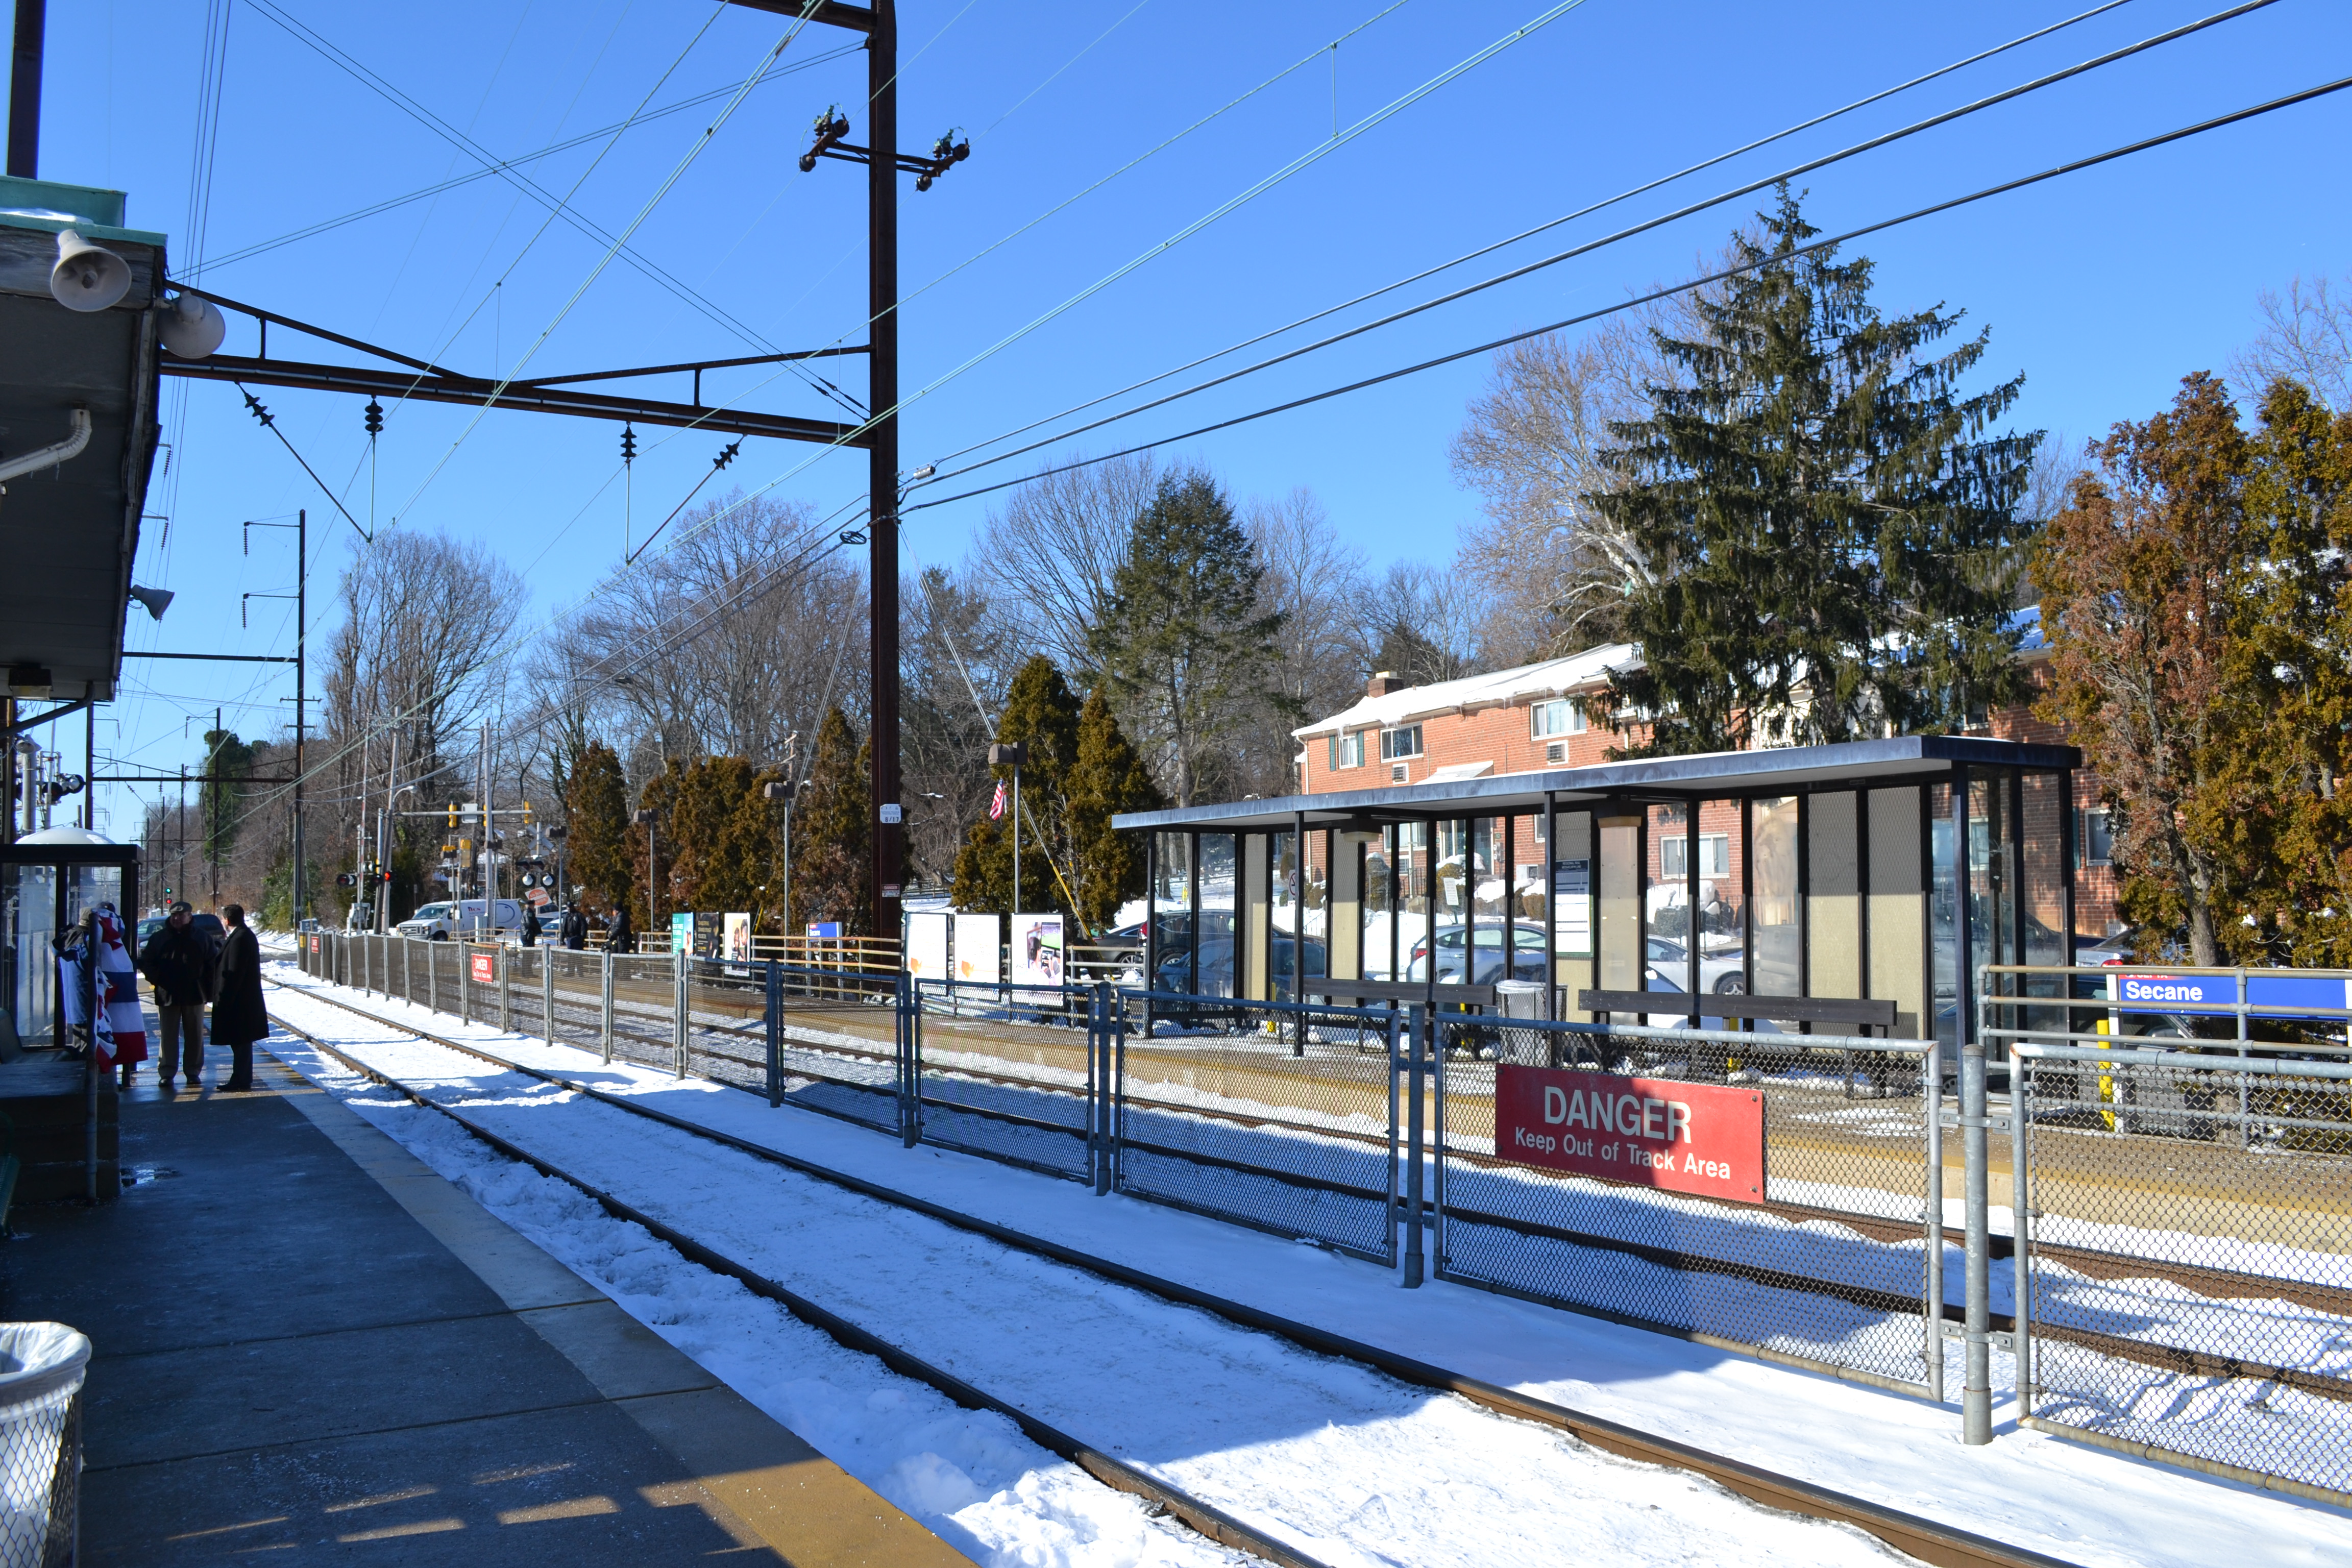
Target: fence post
pixel 774 1006
pixel 1976 1389
pixel 910 1068
pixel 506 988
pixel 1413 1140
pixel 432 979
pixel 465 984
pixel 678 962
pixel 2020 1338
pixel 547 991
pixel 1113 1018
pixel 604 1007
pixel 1931 1085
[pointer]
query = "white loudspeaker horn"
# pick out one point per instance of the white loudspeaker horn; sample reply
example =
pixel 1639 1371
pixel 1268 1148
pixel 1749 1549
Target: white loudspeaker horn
pixel 191 328
pixel 87 277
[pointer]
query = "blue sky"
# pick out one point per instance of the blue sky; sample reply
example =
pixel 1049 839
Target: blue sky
pixel 2104 287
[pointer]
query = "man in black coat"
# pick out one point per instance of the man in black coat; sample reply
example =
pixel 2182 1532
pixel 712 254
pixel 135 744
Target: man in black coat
pixel 575 927
pixel 529 924
pixel 180 964
pixel 239 1015
pixel 619 935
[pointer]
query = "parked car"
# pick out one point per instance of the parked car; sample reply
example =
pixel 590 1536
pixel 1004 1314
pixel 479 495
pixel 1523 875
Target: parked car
pixel 1723 974
pixel 462 919
pixel 1527 955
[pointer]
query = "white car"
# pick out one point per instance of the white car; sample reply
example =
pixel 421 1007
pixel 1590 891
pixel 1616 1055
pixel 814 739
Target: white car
pixel 451 920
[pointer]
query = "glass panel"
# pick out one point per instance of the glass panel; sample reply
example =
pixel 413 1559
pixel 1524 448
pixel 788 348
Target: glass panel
pixel 32 920
pixel 1832 903
pixel 1219 868
pixel 1898 937
pixel 1779 944
pixel 1941 927
pixel 87 887
pixel 1620 884
pixel 1379 916
pixel 1665 903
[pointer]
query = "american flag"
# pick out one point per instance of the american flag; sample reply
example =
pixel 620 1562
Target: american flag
pixel 996 807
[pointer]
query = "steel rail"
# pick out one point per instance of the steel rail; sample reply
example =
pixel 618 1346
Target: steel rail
pixel 1929 1541
pixel 1205 1518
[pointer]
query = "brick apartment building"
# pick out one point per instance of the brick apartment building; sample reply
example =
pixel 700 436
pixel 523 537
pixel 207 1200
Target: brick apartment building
pixel 1534 719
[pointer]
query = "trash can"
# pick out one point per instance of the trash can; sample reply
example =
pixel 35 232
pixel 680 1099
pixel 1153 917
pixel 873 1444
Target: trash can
pixel 41 1368
pixel 1521 999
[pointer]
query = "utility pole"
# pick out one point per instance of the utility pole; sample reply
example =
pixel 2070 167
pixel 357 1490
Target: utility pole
pixel 882 456
pixel 883 164
pixel 384 829
pixel 302 656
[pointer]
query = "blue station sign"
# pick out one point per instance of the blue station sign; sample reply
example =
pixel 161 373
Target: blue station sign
pixel 2142 992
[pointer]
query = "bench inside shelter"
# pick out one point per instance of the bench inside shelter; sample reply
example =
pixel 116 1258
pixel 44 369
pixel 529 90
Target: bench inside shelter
pixel 1803 1011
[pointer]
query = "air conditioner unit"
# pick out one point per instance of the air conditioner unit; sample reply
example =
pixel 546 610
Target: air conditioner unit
pixel 1399 772
pixel 1555 751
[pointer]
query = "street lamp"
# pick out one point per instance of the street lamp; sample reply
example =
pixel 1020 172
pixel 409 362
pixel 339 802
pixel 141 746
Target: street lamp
pixel 649 819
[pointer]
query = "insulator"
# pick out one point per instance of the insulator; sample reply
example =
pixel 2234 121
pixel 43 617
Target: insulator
pixel 374 417
pixel 628 444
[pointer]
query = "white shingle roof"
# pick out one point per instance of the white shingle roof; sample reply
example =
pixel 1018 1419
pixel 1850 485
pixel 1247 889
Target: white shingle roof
pixel 1553 677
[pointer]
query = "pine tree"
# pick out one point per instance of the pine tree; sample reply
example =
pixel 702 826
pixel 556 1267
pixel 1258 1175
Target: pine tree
pixel 1835 540
pixel 722 849
pixel 596 825
pixel 1041 712
pixel 831 833
pixel 1105 779
pixel 1184 647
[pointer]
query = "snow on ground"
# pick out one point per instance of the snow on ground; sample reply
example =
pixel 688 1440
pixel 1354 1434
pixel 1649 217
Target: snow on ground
pixel 1348 1465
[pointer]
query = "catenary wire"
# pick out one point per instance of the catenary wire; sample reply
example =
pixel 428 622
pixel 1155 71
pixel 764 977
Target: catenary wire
pixel 1467 255
pixel 1750 188
pixel 677 172
pixel 2145 144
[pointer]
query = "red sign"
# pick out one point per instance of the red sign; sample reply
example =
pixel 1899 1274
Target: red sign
pixel 1701 1138
pixel 485 968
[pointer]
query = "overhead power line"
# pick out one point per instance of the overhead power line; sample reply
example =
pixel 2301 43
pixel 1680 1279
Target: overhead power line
pixel 1468 256
pixel 1656 294
pixel 1750 188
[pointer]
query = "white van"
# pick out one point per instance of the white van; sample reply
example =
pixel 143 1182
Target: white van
pixel 452 918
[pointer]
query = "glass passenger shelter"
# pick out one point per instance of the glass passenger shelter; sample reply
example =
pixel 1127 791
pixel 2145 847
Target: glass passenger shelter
pixel 1816 884
pixel 47 880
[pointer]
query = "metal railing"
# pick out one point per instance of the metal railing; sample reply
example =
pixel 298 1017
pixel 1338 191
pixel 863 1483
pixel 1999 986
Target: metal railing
pixel 1822 1247
pixel 2181 1284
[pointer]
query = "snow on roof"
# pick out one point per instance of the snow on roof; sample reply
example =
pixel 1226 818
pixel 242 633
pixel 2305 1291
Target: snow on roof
pixel 1552 677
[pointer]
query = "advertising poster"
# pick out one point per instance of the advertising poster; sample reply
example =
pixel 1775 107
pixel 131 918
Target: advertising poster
pixel 737 948
pixel 1676 1136
pixel 681 932
pixel 1037 951
pixel 978 960
pixel 1571 893
pixel 926 945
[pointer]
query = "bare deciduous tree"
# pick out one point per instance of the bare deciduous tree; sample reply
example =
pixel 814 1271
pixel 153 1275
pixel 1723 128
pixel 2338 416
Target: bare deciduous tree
pixel 1046 560
pixel 2307 336
pixel 1318 584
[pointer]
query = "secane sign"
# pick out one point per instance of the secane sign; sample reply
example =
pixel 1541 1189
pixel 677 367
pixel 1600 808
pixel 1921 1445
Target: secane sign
pixel 485 971
pixel 1678 1137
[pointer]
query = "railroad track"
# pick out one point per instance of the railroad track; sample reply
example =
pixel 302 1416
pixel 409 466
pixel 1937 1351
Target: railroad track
pixel 1929 1541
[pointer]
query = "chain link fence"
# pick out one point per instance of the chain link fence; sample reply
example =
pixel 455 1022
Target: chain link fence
pixel 1278 1116
pixel 1813 1249
pixel 2188 1271
pixel 1012 1075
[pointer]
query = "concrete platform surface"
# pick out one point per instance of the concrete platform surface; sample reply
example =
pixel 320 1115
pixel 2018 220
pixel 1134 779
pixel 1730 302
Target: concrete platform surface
pixel 309 1347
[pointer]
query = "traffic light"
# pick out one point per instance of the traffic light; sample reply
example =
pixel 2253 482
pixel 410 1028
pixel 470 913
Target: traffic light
pixel 453 816
pixel 347 879
pixel 525 814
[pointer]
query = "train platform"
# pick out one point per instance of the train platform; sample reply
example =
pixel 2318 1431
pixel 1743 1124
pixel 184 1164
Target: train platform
pixel 307 1342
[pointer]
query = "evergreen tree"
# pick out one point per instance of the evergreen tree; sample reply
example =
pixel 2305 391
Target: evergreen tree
pixel 219 798
pixel 1184 647
pixel 831 834
pixel 1041 712
pixel 1834 538
pixel 1104 779
pixel 596 826
pixel 654 852
pixel 723 851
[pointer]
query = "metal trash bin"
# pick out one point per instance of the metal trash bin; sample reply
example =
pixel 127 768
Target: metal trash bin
pixel 1528 1048
pixel 41 1370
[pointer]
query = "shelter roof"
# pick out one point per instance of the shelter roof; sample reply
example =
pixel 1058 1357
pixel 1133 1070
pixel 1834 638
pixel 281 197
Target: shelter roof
pixel 1713 775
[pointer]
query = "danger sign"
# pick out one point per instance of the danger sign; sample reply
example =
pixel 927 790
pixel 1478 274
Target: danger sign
pixel 1700 1138
pixel 486 972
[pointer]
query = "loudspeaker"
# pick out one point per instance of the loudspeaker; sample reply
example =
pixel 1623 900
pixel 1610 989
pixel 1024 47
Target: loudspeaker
pixel 191 328
pixel 157 600
pixel 87 277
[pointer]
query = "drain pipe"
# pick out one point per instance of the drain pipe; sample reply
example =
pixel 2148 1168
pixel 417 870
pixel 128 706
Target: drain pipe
pixel 48 457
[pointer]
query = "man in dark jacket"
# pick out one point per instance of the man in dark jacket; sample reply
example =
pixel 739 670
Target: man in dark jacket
pixel 239 1015
pixel 575 927
pixel 180 964
pixel 530 925
pixel 619 936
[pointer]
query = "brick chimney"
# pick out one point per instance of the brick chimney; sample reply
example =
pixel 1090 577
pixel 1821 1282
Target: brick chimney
pixel 1383 683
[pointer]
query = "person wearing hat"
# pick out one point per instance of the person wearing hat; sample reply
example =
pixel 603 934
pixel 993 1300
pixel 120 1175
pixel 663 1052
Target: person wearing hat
pixel 239 1015
pixel 179 963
